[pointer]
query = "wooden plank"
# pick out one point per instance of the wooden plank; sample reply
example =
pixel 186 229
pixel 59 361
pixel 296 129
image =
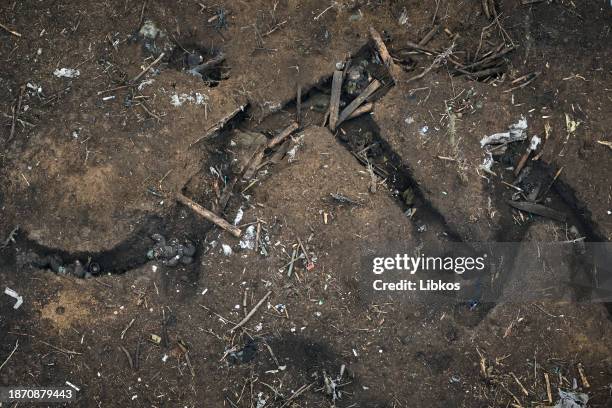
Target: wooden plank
pixel 334 103
pixel 209 215
pixel 384 53
pixel 373 87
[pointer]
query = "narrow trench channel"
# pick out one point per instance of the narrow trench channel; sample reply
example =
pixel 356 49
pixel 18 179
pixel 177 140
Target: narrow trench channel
pixel 177 222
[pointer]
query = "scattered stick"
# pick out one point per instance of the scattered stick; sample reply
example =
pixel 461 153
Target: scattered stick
pixel 490 58
pixel 11 354
pixel 384 53
pixel 216 127
pixel 605 143
pixel 484 73
pixel 257 236
pixel 583 377
pixel 523 389
pixel 538 209
pixel 226 195
pixel 422 74
pixel 252 312
pixel 550 185
pixel 334 102
pixel 298 110
pixel 548 390
pixel 210 64
pixel 258 156
pixel 129 357
pixel 142 12
pixel 15 33
pixel 16 113
pixel 61 350
pixel 113 89
pixel 529 78
pixel 151 65
pixel 421 48
pixel 210 216
pixel 127 328
pixel 362 110
pixel 374 85
pixel 429 36
pixel 278 139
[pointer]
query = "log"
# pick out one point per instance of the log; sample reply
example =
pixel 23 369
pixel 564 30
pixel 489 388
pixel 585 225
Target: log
pixel 384 53
pixel 209 215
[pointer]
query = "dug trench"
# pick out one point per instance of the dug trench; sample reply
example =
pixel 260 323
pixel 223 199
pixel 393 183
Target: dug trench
pixel 361 136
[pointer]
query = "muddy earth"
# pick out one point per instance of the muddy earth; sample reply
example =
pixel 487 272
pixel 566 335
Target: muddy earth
pixel 117 116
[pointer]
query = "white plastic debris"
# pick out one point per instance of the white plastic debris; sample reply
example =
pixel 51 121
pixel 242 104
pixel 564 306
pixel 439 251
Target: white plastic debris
pixel 227 250
pixel 517 131
pixel 196 99
pixel 145 83
pixel 487 163
pixel 403 19
pixel 248 239
pixel 14 295
pixel 261 400
pixel 534 143
pixel 239 216
pixel 571 400
pixel 66 73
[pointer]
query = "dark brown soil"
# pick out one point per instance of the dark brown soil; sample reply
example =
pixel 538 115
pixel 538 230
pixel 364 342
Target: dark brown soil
pixel 91 178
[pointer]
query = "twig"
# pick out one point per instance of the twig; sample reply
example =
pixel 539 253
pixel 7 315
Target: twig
pixel 10 355
pixel 127 328
pixel 429 36
pixel 296 394
pixel 252 312
pixel 210 216
pixel 422 74
pixel 421 48
pixel 216 127
pixel 15 33
pixel 16 113
pixel 520 384
pixel 298 110
pixel 323 12
pixel 142 11
pixel 548 390
pixel 129 357
pixel 210 64
pixel 61 350
pixel 151 65
pixel 583 377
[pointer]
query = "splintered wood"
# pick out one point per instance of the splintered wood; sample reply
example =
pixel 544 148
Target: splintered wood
pixel 259 153
pixel 334 103
pixel 373 87
pixel 209 215
pixel 384 53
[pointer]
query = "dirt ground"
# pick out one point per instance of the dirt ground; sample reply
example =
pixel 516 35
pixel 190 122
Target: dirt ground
pixel 91 163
